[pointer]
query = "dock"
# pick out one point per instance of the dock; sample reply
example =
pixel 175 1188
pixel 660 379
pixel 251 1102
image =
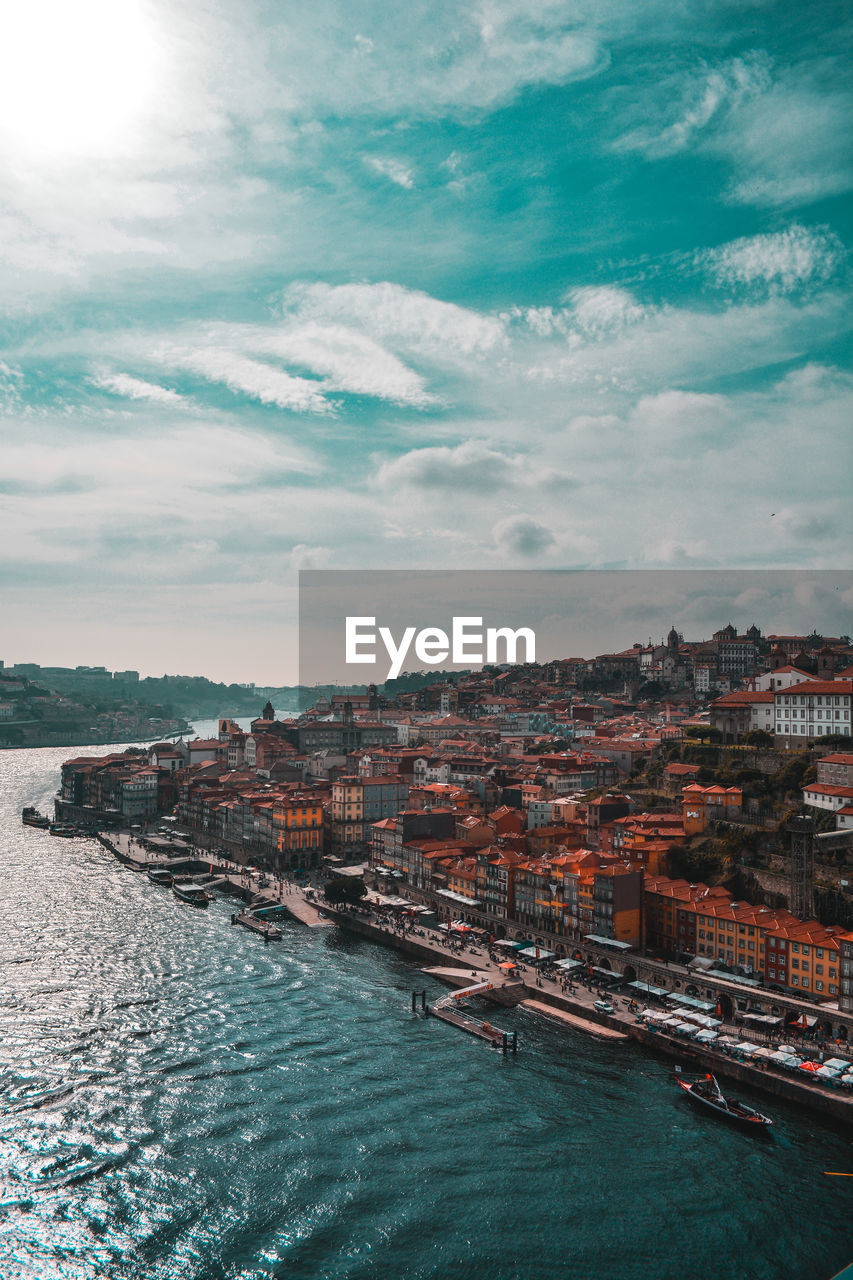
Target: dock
pixel 572 1020
pixel 268 931
pixel 447 1010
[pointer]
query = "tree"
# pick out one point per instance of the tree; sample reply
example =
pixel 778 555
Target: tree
pixel 345 889
pixel 758 738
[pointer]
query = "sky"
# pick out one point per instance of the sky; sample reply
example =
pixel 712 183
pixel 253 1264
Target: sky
pixel 514 284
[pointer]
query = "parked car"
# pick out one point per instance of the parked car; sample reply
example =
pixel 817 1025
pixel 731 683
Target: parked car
pixel 604 1006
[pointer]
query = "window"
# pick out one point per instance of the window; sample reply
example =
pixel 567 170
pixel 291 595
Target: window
pixel 831 989
pixel 795 982
pixel 818 968
pixel 819 986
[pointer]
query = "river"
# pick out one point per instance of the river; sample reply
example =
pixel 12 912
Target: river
pixel 182 1102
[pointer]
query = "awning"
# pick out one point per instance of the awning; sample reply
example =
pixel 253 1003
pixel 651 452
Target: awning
pixel 762 1018
pixel 603 973
pixel 701 1019
pixel 704 1006
pixel 600 941
pixel 569 966
pixel 458 897
pixel 536 953
pixel 647 989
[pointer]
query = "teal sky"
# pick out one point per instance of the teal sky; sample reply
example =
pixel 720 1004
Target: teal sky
pixel 446 285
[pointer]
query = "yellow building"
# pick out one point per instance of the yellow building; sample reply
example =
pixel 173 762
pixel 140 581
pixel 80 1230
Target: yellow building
pixel 297 822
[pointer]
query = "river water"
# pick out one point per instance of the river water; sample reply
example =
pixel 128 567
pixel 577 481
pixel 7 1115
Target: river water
pixel 181 1101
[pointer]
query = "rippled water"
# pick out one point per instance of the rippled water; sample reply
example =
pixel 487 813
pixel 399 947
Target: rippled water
pixel 180 1100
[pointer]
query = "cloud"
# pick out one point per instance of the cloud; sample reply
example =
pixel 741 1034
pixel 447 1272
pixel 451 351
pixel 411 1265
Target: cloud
pixel 394 170
pixel 304 556
pixel 604 309
pixel 404 318
pixel 685 416
pixel 705 100
pixel 789 146
pixel 465 58
pixel 249 377
pixel 471 468
pixel 783 260
pixel 122 384
pixel 522 535
pixel 346 359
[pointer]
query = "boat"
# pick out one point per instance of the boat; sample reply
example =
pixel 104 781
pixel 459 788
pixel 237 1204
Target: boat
pixel 192 893
pixel 707 1093
pixel 32 818
pixel 160 875
pixel 64 830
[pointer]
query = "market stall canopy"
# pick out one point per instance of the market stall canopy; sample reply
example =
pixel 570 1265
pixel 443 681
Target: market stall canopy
pixel 704 1006
pixel 536 953
pixel 647 989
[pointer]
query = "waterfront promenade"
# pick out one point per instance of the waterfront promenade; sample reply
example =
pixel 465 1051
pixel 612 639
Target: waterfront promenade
pixel 230 877
pixel 570 1003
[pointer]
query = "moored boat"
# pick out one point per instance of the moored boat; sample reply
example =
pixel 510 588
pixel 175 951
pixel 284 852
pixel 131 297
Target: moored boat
pixel 160 875
pixel 32 818
pixel 705 1091
pixel 63 829
pixel 192 893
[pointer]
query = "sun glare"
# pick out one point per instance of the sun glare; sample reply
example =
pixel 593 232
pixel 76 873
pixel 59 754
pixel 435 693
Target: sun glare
pixel 75 75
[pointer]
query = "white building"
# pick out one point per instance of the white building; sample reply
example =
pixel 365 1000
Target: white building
pixel 812 710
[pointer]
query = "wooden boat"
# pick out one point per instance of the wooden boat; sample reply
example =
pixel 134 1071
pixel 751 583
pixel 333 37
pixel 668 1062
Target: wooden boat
pixel 64 830
pixel 32 818
pixel 705 1091
pixel 192 893
pixel 160 875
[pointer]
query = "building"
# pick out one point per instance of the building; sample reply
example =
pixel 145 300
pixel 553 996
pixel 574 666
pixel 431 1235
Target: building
pixel 792 954
pixel 811 710
pixel 742 712
pixel 356 804
pixel 703 806
pixel 837 769
pixel 297 830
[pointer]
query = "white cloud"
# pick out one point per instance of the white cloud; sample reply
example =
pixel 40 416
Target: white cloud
pixel 347 360
pixel 403 317
pixel 522 535
pixel 471 467
pixel 789 146
pixel 684 416
pixel 304 556
pixel 783 260
pixel 394 170
pixel 122 384
pixel 249 377
pixel 604 309
pixel 706 99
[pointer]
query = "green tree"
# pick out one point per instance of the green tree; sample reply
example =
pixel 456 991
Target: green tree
pixel 345 889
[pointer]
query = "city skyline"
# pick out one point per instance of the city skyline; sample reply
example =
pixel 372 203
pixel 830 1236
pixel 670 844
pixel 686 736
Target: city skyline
pixel 527 285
